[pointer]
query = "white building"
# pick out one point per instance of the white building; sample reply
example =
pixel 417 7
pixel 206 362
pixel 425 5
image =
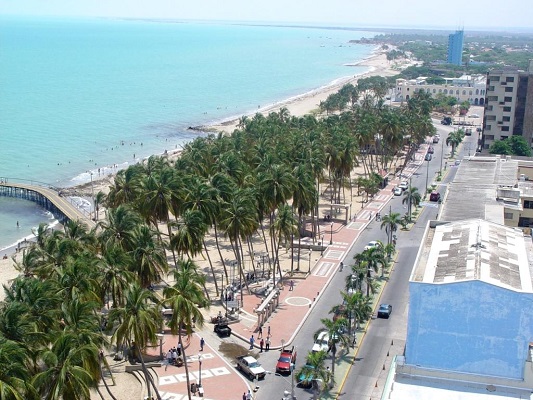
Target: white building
pixel 469 88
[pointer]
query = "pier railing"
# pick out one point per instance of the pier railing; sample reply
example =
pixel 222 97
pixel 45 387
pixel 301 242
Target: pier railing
pixel 47 196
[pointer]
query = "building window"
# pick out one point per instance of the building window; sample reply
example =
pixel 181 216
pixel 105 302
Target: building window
pixel 506 119
pixel 434 90
pixel 482 91
pixel 505 129
pixel 477 91
pixel 492 98
pixel 507 99
pixel 507 215
pixel 464 92
pixel 488 127
pixel 491 117
pixel 528 204
pixel 494 78
pixel 509 89
pixel 440 90
pixel 489 108
pixel 470 93
pixel 507 109
pixel 445 91
pixel 491 88
pixel 457 92
pixel 427 90
pixel 509 79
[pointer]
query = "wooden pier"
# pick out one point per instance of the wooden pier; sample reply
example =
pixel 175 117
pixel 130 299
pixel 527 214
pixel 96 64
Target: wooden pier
pixel 47 197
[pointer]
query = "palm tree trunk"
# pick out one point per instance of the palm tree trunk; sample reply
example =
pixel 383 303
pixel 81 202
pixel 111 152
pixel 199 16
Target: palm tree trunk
pixel 102 360
pixel 220 253
pixel 184 362
pixel 212 269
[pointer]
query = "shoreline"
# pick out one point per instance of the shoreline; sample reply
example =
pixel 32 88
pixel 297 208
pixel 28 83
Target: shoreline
pixel 298 105
pixel 306 103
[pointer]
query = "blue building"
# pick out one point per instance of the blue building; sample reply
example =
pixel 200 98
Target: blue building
pixel 471 301
pixel 455 48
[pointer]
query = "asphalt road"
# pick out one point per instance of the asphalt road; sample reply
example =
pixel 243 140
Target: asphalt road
pixel 384 337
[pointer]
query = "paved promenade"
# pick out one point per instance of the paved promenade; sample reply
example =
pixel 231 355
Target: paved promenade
pixel 220 380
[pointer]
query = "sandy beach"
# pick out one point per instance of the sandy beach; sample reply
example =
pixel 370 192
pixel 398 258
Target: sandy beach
pixel 306 103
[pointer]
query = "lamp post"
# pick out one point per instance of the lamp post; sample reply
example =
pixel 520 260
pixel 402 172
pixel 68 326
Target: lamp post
pixel 427 178
pixel 331 234
pixel 441 154
pixel 200 374
pixel 293 395
pixel 309 269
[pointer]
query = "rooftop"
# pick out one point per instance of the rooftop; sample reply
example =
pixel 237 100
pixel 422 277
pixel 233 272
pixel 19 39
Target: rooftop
pixel 474 250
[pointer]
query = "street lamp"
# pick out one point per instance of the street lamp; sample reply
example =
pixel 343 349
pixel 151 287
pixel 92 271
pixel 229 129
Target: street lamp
pixel 331 234
pixel 309 269
pixel 293 395
pixel 200 374
pixel 427 178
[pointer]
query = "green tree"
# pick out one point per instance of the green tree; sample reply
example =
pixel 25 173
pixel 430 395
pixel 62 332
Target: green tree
pixel 314 372
pixel 138 321
pixel 390 222
pixel 519 146
pixel 454 139
pixel 412 197
pixel 500 147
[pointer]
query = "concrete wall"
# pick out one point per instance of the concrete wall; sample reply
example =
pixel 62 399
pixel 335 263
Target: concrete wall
pixel 470 327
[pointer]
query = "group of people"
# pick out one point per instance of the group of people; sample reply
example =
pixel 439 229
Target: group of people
pixel 174 356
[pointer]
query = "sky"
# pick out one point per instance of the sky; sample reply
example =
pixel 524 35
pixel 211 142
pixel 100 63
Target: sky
pixel 450 14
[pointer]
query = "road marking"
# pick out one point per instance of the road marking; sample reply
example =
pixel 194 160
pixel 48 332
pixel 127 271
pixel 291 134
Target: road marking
pixel 180 378
pixel 425 204
pixel 323 269
pixel 298 301
pixel 175 396
pixel 334 254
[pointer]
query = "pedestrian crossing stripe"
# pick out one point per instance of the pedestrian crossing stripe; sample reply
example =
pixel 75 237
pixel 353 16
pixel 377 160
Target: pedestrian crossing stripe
pixel 323 269
pixel 334 254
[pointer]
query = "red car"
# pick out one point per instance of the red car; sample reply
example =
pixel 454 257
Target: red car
pixel 286 358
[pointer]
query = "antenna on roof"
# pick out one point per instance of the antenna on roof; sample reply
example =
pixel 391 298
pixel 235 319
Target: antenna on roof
pixel 478 245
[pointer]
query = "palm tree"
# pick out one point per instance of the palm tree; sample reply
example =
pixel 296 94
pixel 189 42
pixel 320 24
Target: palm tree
pixel 412 197
pixel 335 329
pixel 454 139
pixel 148 259
pixel 358 307
pixel 370 260
pixel 14 376
pixel 314 371
pixel 183 298
pixel 139 321
pixel 99 199
pixel 69 371
pixel 390 222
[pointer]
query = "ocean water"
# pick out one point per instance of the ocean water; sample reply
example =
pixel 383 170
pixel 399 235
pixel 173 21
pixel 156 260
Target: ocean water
pixel 82 94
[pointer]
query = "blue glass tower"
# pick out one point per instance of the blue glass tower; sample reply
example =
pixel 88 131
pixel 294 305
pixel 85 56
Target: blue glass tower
pixel 455 48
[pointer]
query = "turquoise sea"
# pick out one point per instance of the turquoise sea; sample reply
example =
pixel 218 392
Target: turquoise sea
pixel 81 94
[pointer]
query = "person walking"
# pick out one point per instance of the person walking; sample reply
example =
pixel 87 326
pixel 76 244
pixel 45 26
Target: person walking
pixel 267 343
pixel 252 340
pixel 260 334
pixel 202 342
pixel 249 395
pixel 291 285
pixel 261 344
pixel 178 349
pixel 268 332
pixel 244 396
pixel 169 359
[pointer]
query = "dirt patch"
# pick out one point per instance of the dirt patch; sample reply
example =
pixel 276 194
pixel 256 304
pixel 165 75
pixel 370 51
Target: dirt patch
pixel 233 350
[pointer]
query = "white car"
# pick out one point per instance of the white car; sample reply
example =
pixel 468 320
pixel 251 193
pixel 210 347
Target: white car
pixel 371 245
pixel 397 191
pixel 321 342
pixel 404 185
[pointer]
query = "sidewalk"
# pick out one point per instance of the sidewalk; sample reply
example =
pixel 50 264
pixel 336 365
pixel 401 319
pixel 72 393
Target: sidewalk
pixel 219 379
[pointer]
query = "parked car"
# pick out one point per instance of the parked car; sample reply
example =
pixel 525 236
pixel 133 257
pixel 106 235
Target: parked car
pixel 436 139
pixel 397 191
pixel 305 380
pixel 457 162
pixel 446 121
pixel 286 359
pixel 222 330
pixel 404 185
pixel 434 196
pixel 468 131
pixel 384 311
pixel 321 342
pixel 431 150
pixel 250 367
pixel 428 157
pixel 371 245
